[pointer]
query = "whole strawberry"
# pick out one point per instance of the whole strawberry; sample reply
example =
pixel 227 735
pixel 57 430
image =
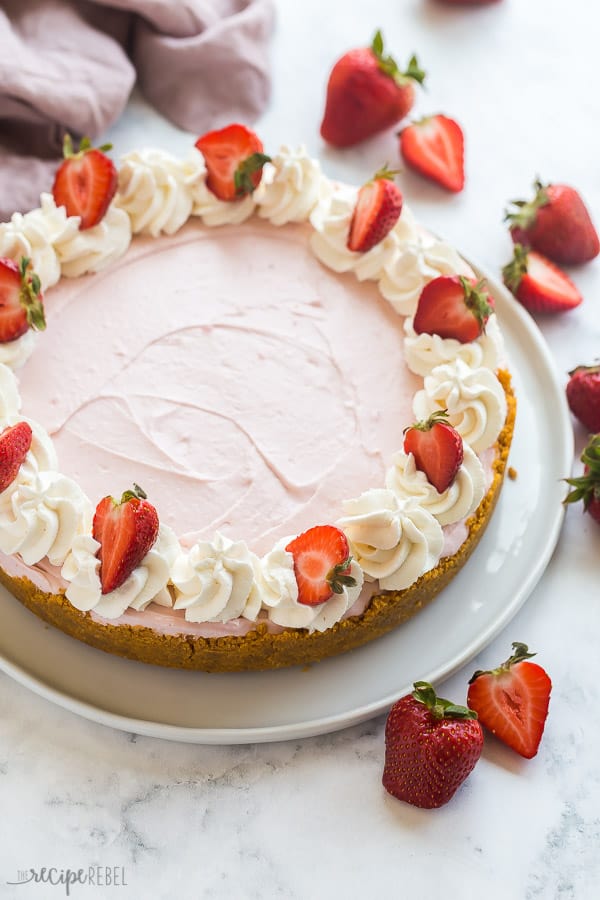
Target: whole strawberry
pixel 367 93
pixel 85 182
pixel 586 487
pixel 583 396
pixel 126 530
pixel 512 700
pixel 377 210
pixel 556 223
pixel 431 746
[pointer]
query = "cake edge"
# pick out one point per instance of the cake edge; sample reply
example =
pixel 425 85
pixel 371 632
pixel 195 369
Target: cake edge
pixel 261 649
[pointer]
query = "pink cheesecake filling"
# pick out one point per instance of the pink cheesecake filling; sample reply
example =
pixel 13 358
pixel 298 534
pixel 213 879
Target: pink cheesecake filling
pixel 246 387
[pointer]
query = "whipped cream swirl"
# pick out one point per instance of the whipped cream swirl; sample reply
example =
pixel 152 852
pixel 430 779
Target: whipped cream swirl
pixel 457 502
pixel 15 354
pixel 474 398
pixel 214 581
pixel 423 352
pixel 331 221
pixel 155 189
pixel 419 258
pixel 94 248
pixel 34 235
pixel 393 540
pixel 40 515
pixel 279 593
pixel 291 187
pixel 10 400
pixel 147 583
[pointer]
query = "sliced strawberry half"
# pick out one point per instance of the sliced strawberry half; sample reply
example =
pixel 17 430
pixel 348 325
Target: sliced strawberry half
pixel 538 283
pixel 126 530
pixel 21 306
pixel 85 182
pixel 512 701
pixel 453 307
pixel 234 161
pixel 435 147
pixel 321 564
pixel 15 442
pixel 437 448
pixel 377 210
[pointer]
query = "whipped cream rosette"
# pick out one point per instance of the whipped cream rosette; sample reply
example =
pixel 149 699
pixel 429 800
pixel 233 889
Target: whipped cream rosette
pixel 291 187
pixel 34 235
pixel 146 584
pixel 474 398
pixel 455 503
pixel 279 593
pixel 393 540
pixel 424 352
pixel 156 189
pixel 215 581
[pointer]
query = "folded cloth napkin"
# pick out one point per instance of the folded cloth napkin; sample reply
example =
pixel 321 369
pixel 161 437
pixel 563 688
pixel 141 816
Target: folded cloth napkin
pixel 70 65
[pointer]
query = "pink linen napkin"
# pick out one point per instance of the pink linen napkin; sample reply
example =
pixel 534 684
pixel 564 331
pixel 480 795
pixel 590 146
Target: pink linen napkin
pixel 70 65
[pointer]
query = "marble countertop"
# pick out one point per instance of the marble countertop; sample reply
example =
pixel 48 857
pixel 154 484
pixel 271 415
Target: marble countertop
pixel 309 818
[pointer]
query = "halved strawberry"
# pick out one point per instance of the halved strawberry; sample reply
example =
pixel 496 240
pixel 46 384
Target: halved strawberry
pixel 437 448
pixel 21 306
pixel 234 161
pixel 538 283
pixel 512 701
pixel 377 210
pixel 321 564
pixel 435 147
pixel 85 182
pixel 126 530
pixel 453 307
pixel 15 442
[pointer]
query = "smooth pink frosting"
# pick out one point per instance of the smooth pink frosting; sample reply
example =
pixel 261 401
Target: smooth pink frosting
pixel 245 387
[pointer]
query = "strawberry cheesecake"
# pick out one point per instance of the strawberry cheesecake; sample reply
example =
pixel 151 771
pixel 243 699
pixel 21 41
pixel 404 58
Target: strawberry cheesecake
pixel 207 369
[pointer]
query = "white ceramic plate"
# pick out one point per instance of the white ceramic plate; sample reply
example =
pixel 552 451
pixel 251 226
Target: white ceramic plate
pixel 293 703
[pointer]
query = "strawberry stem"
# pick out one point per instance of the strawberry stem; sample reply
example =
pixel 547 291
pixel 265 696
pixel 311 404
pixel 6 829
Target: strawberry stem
pixel 437 706
pixel 440 415
pixel 513 272
pixel 526 211
pixel 476 299
pixel 338 578
pixel 389 66
pixel 587 486
pixel 85 144
pixel 30 296
pixel 137 493
pixel 242 177
pixel 521 652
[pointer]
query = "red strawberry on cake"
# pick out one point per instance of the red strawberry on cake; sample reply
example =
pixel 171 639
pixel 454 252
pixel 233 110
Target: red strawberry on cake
pixel 126 530
pixel 556 223
pixel 86 182
pixel 431 746
pixel 367 93
pixel 21 306
pixel 321 564
pixel 377 210
pixel 453 306
pixel 437 448
pixel 15 442
pixel 234 161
